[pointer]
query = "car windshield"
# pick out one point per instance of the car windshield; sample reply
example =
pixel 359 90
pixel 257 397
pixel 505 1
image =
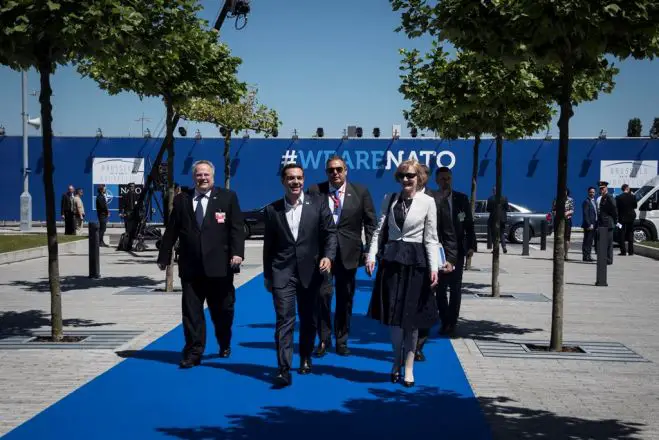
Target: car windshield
pixel 646 188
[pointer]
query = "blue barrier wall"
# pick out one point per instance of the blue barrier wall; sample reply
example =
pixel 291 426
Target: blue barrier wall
pixel 529 165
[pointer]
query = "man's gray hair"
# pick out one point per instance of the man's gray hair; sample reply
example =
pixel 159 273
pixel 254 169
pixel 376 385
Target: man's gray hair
pixel 203 162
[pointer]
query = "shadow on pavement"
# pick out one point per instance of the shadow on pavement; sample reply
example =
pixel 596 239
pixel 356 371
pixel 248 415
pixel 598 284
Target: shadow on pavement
pixel 75 282
pixel 509 421
pixel 22 323
pixel 401 414
pixel 489 330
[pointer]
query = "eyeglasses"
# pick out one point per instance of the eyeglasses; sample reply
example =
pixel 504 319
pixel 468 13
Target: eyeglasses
pixel 330 170
pixel 408 175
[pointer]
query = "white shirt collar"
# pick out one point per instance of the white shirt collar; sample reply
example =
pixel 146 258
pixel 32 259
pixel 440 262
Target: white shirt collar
pixel 300 200
pixel 197 193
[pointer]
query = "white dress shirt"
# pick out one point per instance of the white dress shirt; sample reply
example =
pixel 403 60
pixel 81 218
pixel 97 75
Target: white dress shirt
pixel 204 200
pixel 294 215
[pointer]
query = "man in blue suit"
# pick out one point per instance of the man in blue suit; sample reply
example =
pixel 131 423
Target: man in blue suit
pixel 589 224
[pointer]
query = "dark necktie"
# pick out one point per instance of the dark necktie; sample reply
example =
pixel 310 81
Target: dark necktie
pixel 199 210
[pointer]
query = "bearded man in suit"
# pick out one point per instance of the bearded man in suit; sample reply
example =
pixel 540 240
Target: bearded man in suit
pixel 299 246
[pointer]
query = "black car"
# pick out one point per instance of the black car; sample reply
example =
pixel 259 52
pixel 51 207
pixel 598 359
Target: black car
pixel 254 222
pixel 515 224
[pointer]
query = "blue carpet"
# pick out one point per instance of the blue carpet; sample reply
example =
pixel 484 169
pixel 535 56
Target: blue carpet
pixel 148 397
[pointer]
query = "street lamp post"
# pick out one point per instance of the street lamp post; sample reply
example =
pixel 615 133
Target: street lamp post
pixel 26 198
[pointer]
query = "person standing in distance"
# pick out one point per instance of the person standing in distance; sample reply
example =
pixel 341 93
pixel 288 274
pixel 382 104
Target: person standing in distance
pixel 352 209
pixel 208 223
pixel 607 217
pixel 626 204
pixel 299 246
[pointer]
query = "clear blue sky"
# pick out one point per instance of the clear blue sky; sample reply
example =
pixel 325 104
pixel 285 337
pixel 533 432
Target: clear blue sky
pixel 319 64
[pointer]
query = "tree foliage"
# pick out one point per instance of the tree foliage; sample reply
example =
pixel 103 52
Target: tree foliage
pixel 569 36
pixel 634 128
pixel 471 95
pixel 232 117
pixel 44 35
pixel 173 56
pixel 245 114
pixel 654 130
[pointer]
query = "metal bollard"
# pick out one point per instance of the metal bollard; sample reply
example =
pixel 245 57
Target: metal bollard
pixel 543 235
pixel 602 251
pixel 527 236
pixel 490 231
pixel 94 252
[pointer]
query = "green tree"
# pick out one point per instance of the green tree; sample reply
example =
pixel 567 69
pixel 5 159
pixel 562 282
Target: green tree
pixel 572 36
pixel 44 35
pixel 654 130
pixel 232 117
pixel 174 57
pixel 439 113
pixel 634 128
pixel 509 103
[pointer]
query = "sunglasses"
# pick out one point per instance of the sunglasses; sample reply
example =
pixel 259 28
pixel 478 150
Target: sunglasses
pixel 408 175
pixel 337 169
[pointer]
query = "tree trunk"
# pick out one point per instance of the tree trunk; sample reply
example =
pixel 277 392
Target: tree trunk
pixel 474 180
pixel 227 159
pixel 496 218
pixel 556 342
pixel 45 69
pixel 171 121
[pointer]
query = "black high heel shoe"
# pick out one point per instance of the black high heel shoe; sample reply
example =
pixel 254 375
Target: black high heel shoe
pixel 408 384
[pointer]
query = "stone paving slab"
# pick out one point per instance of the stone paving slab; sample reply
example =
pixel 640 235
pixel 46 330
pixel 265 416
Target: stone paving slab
pixel 522 398
pixel 31 380
pixel 540 398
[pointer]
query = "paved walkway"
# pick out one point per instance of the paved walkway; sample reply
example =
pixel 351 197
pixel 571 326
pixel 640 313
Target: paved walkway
pixel 148 397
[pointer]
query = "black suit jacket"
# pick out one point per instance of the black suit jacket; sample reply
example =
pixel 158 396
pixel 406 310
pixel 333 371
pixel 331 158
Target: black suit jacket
pixel 316 240
pixel 445 228
pixel 608 215
pixel 626 204
pixel 503 209
pixel 66 204
pixel 102 207
pixel 357 212
pixel 463 223
pixel 589 213
pixel 204 252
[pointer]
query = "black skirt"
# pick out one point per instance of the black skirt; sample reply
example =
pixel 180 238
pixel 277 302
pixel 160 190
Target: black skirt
pixel 402 296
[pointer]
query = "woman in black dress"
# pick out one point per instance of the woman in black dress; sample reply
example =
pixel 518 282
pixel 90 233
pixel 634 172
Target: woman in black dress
pixel 407 249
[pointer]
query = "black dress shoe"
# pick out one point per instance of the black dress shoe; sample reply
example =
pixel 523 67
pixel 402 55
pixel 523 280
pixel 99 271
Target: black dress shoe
pixel 419 356
pixel 408 384
pixel 342 350
pixel 305 366
pixel 225 353
pixel 283 379
pixel 321 350
pixel 189 362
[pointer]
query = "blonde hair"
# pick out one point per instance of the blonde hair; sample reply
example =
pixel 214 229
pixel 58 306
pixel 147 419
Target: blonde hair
pixel 421 175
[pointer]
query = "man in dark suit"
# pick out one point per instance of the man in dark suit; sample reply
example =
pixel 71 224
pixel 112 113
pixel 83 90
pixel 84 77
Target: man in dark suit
pixel 352 209
pixel 102 212
pixel 446 233
pixel 127 211
pixel 299 246
pixel 67 211
pixel 626 205
pixel 503 218
pixel 208 223
pixel 607 217
pixel 589 224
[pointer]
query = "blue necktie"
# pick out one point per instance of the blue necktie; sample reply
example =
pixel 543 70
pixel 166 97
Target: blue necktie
pixel 199 211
